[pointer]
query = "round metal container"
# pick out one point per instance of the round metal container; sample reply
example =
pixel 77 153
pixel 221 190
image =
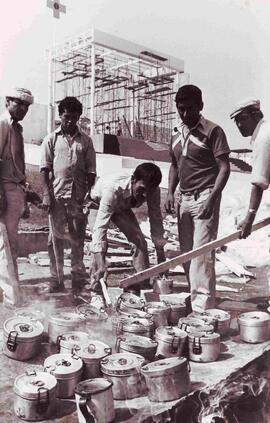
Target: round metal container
pixel 35 396
pixel 163 285
pixel 177 310
pixel 94 401
pixel 254 326
pixel 62 322
pixel 67 369
pixel 171 341
pixel 134 313
pixel 136 344
pixel 123 369
pixel 32 313
pixel 221 320
pixel 204 347
pixel 91 314
pixel 91 355
pixel 129 300
pixel 124 324
pixel 22 338
pixel 192 324
pixel 167 379
pixel 160 311
pixel 71 342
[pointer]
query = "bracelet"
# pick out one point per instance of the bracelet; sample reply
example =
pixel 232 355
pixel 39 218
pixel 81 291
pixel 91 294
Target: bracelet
pixel 252 211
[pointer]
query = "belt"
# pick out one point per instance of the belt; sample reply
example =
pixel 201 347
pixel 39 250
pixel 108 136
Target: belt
pixel 196 193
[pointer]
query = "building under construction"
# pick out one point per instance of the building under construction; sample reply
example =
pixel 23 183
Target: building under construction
pixel 126 89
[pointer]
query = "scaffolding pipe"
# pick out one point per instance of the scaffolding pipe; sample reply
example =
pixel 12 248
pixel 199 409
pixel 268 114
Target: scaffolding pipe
pixel 92 92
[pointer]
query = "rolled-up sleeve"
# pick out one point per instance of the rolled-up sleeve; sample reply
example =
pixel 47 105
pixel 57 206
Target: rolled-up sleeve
pixel 90 158
pixel 260 169
pixel 155 218
pixel 105 212
pixel 46 154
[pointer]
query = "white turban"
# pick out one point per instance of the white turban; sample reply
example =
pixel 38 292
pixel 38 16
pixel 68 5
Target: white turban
pixel 22 94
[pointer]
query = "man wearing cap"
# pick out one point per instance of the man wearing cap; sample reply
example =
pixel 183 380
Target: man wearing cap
pixel 200 164
pixel 13 196
pixel 250 122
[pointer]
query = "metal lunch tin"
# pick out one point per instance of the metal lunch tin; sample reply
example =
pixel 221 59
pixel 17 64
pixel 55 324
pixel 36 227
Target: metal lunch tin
pixel 171 341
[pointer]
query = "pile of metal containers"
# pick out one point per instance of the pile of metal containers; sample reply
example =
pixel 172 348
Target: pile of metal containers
pixel 152 343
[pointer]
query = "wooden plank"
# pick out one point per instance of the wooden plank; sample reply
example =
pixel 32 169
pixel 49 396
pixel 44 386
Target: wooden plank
pixel 183 258
pixel 234 267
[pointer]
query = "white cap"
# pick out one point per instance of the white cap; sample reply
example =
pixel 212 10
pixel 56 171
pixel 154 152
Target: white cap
pixel 22 94
pixel 248 103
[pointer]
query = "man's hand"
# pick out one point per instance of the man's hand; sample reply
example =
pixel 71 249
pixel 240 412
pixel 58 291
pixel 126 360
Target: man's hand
pixel 3 202
pixel 206 209
pixel 160 254
pixel 99 269
pixel 33 198
pixel 245 225
pixel 47 201
pixel 169 204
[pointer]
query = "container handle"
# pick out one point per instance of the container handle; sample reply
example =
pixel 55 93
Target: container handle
pixel 42 403
pixel 117 343
pixel 197 347
pixel 59 338
pixel 89 418
pixel 175 345
pixel 11 342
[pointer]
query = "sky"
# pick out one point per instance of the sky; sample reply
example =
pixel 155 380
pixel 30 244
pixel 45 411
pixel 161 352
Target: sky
pixel 224 43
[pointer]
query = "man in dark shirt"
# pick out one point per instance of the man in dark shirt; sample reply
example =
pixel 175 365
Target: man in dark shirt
pixel 200 165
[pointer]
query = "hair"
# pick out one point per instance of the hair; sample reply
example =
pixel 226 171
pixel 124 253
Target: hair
pixel 189 92
pixel 255 112
pixel 149 173
pixel 71 104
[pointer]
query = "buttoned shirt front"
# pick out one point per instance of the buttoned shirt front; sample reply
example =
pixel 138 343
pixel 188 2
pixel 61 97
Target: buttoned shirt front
pixel 70 159
pixel 261 153
pixel 11 150
pixel 113 193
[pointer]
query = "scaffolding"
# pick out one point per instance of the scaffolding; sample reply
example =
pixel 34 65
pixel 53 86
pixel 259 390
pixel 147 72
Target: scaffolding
pixel 126 89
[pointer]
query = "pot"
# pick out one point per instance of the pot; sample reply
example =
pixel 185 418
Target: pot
pixel 129 300
pixel 35 396
pixel 123 325
pixel 177 310
pixel 254 326
pixel 167 379
pixel 94 400
pixel 22 338
pixel 204 347
pixel 62 322
pixel 171 341
pixel 160 311
pixel 32 313
pixel 71 342
pixel 67 369
pixel 219 318
pixel 91 355
pixel 123 370
pixel 136 344
pixel 163 285
pixel 192 324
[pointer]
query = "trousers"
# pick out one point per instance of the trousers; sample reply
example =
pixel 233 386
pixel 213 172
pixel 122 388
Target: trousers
pixel 194 233
pixel 67 222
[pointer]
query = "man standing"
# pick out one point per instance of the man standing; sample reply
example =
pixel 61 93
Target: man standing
pixel 68 169
pixel 13 195
pixel 200 164
pixel 116 195
pixel 249 120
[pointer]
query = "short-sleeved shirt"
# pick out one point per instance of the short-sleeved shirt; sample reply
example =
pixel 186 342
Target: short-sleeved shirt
pixel 261 155
pixel 70 161
pixel 194 152
pixel 11 150
pixel 114 195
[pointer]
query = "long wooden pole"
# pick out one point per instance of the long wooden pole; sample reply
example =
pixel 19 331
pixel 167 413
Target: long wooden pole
pixel 183 258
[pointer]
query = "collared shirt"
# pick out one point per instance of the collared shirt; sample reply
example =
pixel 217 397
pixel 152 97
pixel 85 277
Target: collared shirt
pixel 70 159
pixel 261 152
pixel 11 150
pixel 194 152
pixel 113 194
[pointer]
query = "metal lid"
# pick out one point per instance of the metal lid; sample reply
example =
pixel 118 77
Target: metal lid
pixel 134 313
pixel 164 366
pixel 66 318
pixel 215 313
pixel 26 329
pixel 92 386
pixel 91 313
pixel 136 341
pixel 127 299
pixel 205 338
pixel 94 350
pixel 210 320
pixel 168 333
pixel 33 384
pixel 63 365
pixel 254 318
pixel 191 324
pixel 73 340
pixel 30 313
pixel 177 306
pixel 122 364
pixel 157 306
